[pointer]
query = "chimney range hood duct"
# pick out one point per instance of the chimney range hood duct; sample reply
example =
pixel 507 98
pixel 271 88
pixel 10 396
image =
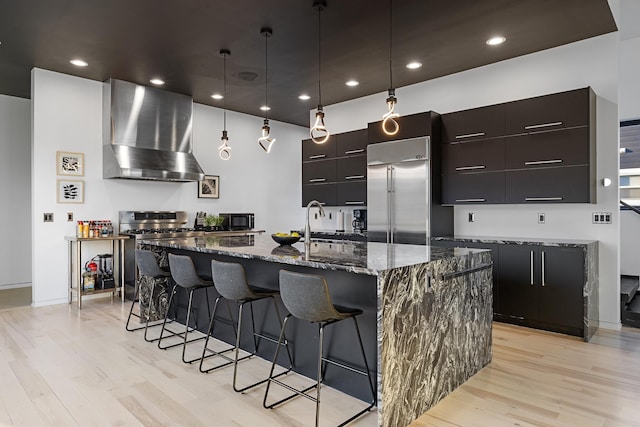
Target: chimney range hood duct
pixel 147 134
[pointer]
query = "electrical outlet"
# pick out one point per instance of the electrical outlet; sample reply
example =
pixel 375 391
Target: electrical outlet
pixel 315 216
pixel 329 215
pixel 48 217
pixel 601 218
pixel 70 216
pixel 541 218
pixel 472 217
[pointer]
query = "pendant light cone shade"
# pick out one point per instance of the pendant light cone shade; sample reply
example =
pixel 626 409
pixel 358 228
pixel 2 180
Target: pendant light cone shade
pixel 319 133
pixel 266 141
pixel 390 125
pixel 224 151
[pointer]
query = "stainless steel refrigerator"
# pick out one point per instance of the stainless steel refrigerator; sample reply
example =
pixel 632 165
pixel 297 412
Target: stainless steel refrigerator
pixel 399 191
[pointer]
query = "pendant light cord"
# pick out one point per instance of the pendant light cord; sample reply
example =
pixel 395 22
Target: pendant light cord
pixel 266 75
pixel 319 53
pixel 390 45
pixel 224 91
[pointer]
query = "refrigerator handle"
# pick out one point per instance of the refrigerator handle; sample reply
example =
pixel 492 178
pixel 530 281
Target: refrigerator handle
pixel 389 185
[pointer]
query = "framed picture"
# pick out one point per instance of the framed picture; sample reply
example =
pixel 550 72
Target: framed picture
pixel 70 191
pixel 69 164
pixel 209 187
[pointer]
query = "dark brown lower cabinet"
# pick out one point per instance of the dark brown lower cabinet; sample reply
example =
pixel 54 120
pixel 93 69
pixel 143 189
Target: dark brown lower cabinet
pixel 324 193
pixel 473 188
pixel 549 185
pixel 541 286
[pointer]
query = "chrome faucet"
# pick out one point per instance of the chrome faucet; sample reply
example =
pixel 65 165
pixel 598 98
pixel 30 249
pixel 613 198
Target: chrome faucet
pixel 307 230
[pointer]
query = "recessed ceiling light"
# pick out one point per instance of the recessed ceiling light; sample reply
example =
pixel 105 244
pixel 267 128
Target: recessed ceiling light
pixel 79 62
pixel 265 108
pixel 157 82
pixel 352 83
pixel 217 96
pixel 304 97
pixel 414 65
pixel 494 41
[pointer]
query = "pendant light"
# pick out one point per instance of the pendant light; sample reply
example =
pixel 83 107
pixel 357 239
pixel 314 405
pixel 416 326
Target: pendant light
pixel 319 133
pixel 390 125
pixel 224 151
pixel 265 141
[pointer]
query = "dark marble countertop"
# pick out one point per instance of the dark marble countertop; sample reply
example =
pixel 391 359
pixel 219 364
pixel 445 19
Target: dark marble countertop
pixel 542 241
pixel 356 257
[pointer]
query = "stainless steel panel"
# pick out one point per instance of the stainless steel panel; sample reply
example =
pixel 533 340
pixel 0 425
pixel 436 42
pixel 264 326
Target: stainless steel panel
pixel 409 203
pixel 377 206
pixel 398 151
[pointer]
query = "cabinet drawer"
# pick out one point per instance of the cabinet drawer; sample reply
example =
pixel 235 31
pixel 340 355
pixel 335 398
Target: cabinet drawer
pixel 319 172
pixel 313 151
pixel 484 155
pixel 473 188
pixel 351 169
pixel 565 147
pixel 352 143
pixel 351 193
pixel 477 123
pixel 559 110
pixel 324 193
pixel 569 184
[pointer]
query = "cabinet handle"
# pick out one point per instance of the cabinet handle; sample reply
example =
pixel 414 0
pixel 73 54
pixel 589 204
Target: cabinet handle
pixel 354 177
pixel 471 200
pixel 542 268
pixel 543 125
pixel 317 156
pixel 318 180
pixel 469 168
pixel 470 135
pixel 354 203
pixel 543 162
pixel 542 199
pixel 359 150
pixel 531 266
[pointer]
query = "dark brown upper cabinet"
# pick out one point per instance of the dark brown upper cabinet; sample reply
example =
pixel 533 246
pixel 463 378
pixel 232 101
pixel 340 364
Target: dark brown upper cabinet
pixel 352 143
pixel 320 172
pixel 477 123
pixel 313 151
pixel 549 112
pixel 565 147
pixel 474 156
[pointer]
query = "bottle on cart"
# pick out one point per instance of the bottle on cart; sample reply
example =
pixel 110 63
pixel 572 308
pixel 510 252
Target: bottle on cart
pixel 79 229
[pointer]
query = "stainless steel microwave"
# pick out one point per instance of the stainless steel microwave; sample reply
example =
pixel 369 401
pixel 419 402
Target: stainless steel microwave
pixel 238 221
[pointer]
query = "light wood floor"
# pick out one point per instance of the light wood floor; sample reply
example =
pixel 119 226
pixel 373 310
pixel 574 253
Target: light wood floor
pixel 60 366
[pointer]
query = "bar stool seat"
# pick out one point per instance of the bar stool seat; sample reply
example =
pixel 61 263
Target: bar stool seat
pixel 307 297
pixel 147 267
pixel 184 275
pixel 231 283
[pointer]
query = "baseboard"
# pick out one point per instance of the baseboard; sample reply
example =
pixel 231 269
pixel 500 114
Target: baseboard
pixel 50 302
pixel 614 326
pixel 15 285
pixel 75 301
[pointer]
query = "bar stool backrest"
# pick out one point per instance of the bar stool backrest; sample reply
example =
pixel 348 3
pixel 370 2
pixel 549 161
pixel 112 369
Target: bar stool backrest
pixel 183 271
pixel 147 264
pixel 230 280
pixel 306 296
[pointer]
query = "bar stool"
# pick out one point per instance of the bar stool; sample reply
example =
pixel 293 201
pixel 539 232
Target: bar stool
pixel 306 296
pixel 148 267
pixel 231 283
pixel 184 275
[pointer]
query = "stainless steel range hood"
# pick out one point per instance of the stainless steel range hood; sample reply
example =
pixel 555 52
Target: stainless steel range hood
pixel 147 134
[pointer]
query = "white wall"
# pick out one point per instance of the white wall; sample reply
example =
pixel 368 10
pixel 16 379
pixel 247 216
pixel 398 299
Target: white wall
pixel 15 188
pixel 630 79
pixel 67 116
pixel 592 62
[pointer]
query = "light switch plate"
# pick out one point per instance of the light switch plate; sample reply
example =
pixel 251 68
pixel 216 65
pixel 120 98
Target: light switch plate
pixel 472 217
pixel 541 217
pixel 601 218
pixel 70 216
pixel 48 217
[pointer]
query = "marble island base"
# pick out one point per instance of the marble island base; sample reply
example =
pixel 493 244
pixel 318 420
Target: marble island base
pixel 426 322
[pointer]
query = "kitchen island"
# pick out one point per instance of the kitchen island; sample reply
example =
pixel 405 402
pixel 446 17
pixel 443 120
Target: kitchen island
pixel 426 319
